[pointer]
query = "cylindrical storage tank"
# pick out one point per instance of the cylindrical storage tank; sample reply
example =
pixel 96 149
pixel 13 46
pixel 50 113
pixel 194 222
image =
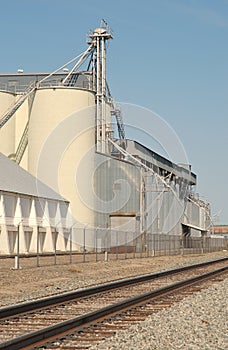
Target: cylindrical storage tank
pixel 61 132
pixel 7 132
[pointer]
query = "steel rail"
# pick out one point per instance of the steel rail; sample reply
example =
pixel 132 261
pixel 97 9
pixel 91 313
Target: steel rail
pixel 59 329
pixel 13 310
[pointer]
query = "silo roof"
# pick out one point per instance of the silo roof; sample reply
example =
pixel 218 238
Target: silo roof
pixel 17 180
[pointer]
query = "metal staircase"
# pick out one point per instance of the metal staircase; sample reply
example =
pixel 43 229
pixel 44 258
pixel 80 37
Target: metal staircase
pixel 10 112
pixel 22 145
pixel 120 126
pixel 72 80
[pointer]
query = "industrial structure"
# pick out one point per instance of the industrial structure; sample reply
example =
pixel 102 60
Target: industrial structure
pixel 219 230
pixel 59 128
pixel 29 210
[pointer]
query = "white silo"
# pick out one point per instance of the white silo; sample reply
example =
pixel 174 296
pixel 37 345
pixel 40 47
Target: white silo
pixel 7 132
pixel 67 125
pixel 69 118
pixel 61 130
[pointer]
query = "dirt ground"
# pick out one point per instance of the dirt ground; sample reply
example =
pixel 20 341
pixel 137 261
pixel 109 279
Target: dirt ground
pixel 30 281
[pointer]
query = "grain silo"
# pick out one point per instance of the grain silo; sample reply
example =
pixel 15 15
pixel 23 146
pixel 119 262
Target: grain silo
pixel 75 100
pixel 63 135
pixel 7 133
pixel 51 107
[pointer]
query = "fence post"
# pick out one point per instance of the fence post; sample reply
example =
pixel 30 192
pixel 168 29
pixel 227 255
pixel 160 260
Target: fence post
pixel 133 244
pixel 181 246
pixel 147 244
pixel 38 247
pixel 106 248
pixel 141 244
pixel 96 242
pixel 125 246
pixel 168 245
pixel 202 245
pixel 84 234
pixel 153 243
pixel 17 265
pixel 117 242
pixel 71 234
pixel 55 241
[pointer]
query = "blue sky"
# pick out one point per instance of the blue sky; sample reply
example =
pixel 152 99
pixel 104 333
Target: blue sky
pixel 170 56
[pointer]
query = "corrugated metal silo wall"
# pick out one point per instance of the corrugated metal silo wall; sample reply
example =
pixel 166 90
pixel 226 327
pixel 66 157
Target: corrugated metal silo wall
pixel 123 188
pixel 164 207
pixel 117 187
pixel 197 215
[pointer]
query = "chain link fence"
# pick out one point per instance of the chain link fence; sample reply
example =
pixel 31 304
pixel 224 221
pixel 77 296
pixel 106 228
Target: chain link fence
pixel 98 244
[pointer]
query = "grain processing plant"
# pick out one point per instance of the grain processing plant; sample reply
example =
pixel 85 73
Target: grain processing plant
pixel 71 166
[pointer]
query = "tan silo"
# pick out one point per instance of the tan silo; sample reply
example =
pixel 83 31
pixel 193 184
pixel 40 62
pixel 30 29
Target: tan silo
pixel 61 131
pixel 7 132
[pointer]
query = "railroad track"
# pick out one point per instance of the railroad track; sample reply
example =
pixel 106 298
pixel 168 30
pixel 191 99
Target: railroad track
pixel 87 315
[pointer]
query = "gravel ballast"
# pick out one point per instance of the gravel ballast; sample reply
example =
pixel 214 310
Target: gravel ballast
pixel 198 322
